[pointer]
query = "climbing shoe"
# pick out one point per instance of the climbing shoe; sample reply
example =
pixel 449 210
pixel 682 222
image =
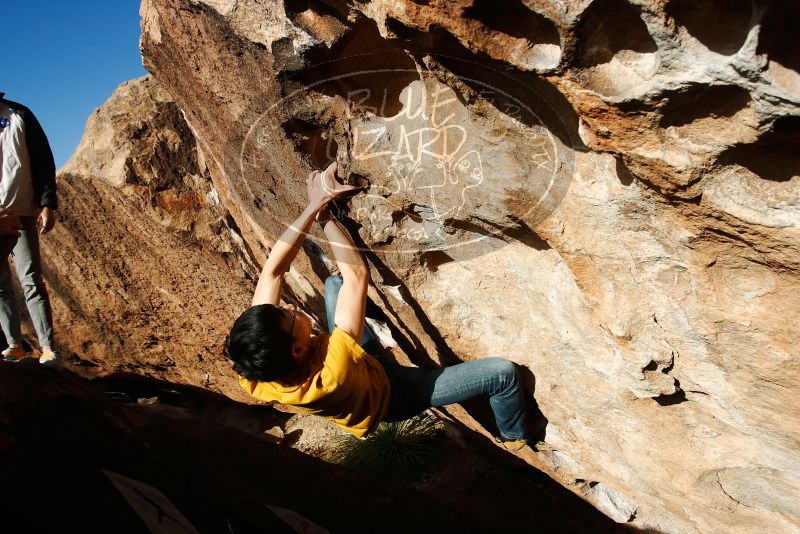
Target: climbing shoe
pixel 514 445
pixel 13 354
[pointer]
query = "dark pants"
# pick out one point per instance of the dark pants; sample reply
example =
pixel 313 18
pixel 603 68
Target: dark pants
pixel 413 390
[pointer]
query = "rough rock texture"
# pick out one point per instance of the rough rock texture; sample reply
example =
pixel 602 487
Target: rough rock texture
pixel 144 267
pixel 605 192
pixel 202 473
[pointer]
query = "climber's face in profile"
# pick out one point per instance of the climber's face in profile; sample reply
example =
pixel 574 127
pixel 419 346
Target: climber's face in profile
pixel 299 327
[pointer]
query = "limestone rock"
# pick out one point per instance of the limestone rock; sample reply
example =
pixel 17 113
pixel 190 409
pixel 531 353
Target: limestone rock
pixel 603 191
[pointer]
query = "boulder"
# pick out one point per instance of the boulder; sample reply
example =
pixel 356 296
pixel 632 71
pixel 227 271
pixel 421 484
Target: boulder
pixel 602 191
pixel 145 268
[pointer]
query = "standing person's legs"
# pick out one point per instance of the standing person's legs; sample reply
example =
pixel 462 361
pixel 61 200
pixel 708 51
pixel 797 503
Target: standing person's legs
pixel 9 233
pixel 27 261
pixel 9 315
pixel 418 389
pixel 332 286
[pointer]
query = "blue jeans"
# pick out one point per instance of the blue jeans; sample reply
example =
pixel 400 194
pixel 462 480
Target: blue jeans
pixel 414 390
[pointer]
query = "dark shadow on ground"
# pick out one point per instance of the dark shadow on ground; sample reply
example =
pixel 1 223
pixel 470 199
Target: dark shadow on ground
pixel 61 435
pixel 67 431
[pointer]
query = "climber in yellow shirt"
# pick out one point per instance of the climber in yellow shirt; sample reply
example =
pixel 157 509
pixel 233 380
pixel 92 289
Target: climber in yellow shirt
pixel 279 358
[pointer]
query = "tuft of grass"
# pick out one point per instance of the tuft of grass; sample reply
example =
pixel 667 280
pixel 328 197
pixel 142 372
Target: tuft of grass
pixel 400 451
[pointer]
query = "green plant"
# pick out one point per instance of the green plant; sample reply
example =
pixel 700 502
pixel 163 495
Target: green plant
pixel 401 451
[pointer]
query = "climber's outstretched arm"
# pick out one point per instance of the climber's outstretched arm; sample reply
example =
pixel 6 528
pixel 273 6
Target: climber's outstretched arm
pixel 351 304
pixel 322 188
pixel 283 253
pixel 352 300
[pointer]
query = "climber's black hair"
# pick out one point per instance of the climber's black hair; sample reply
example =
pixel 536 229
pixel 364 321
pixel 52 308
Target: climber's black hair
pixel 259 346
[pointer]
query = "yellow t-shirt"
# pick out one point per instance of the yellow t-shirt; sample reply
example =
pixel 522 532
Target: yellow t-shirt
pixel 350 388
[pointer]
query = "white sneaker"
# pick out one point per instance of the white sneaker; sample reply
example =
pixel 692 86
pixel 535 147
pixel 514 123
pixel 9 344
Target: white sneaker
pixel 49 358
pixel 13 354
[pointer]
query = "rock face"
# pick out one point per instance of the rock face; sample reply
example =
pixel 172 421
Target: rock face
pixel 605 192
pixel 144 267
